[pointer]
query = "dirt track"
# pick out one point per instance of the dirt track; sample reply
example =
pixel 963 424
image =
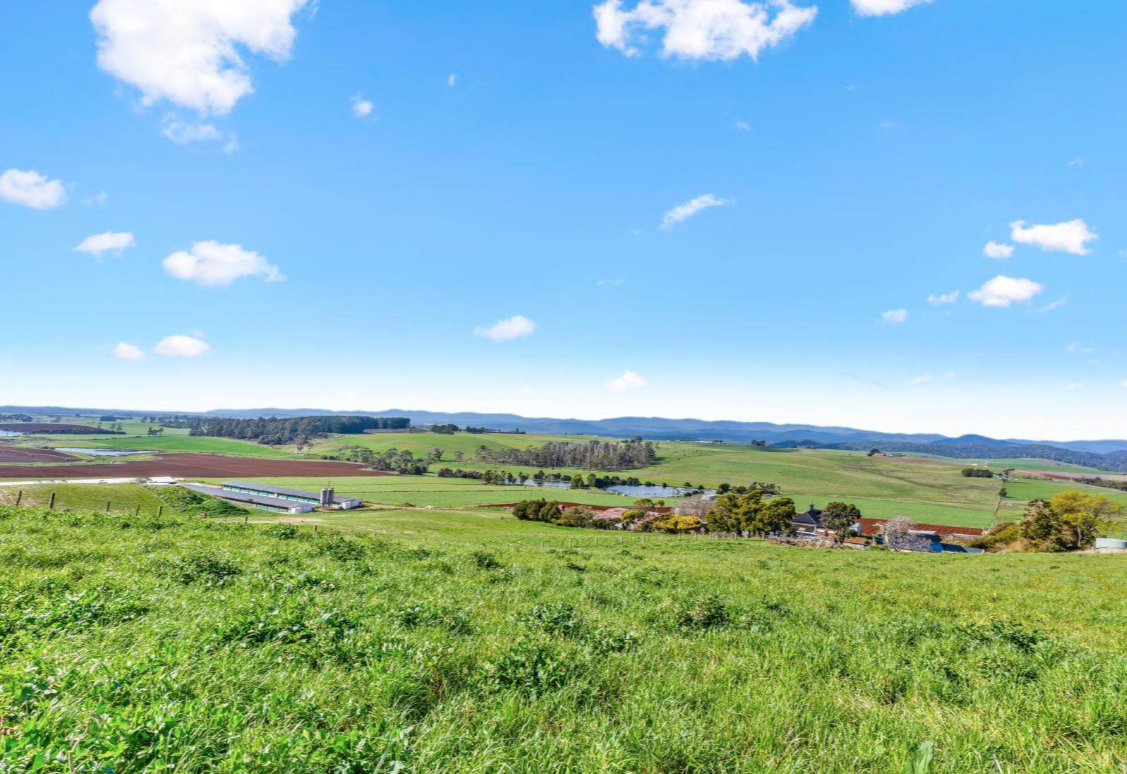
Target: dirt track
pixel 191 466
pixel 16 454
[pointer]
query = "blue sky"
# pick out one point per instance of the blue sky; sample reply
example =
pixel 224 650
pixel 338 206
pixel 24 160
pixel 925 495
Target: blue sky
pixel 663 223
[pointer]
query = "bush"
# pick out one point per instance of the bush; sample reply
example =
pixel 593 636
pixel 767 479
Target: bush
pixel 205 568
pixel 485 560
pixel 704 612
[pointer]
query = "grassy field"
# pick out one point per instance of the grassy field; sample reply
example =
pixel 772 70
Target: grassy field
pixel 466 642
pixel 122 498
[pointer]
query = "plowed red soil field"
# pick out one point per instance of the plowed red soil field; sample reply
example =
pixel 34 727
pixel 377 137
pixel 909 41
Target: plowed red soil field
pixel 16 454
pixel 191 466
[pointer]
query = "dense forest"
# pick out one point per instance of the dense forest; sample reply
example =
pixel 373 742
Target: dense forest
pixel 1113 462
pixel 276 431
pixel 592 455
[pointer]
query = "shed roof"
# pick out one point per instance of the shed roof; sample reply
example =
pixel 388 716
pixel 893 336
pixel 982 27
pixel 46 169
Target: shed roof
pixel 240 497
pixel 276 489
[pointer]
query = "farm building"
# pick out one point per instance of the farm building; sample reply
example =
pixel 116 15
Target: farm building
pixel 930 537
pixel 276 498
pixel 326 499
pixel 272 504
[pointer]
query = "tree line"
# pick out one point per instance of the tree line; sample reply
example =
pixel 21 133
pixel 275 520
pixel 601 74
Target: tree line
pixel 592 455
pixel 274 431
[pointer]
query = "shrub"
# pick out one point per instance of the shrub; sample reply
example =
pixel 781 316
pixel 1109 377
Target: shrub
pixel 704 612
pixel 485 560
pixel 530 666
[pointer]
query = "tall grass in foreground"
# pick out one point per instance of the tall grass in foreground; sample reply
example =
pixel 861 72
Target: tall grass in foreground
pixel 171 644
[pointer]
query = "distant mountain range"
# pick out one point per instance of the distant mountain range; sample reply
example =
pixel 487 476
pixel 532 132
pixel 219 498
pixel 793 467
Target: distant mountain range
pixel 1110 455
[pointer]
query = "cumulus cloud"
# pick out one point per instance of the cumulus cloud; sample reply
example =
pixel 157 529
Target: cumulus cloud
pixel 191 52
pixel 213 264
pixel 944 298
pixel 701 29
pixel 31 189
pixel 181 346
pixel 690 208
pixel 1003 291
pixel 109 242
pixel 883 7
pixel 997 250
pixel 895 316
pixel 628 381
pixel 125 351
pixel 1071 237
pixel 362 108
pixel 516 327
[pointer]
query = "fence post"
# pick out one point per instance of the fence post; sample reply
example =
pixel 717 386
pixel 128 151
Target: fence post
pixel 51 505
pixel 19 496
pixel 107 506
pixel 314 529
pixel 246 518
pixel 137 512
pixel 160 510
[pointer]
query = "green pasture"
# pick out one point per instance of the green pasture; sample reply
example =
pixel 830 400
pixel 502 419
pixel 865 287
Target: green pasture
pixel 467 642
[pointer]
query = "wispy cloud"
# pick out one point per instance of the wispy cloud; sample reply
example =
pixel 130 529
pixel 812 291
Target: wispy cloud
pixel 628 381
pixel 452 80
pixel 944 298
pixel 894 316
pixel 1074 385
pixel 98 245
pixel 741 126
pixel 686 210
pixel 362 108
pixel 516 327
pixel 997 250
pixel 1062 301
pixel 611 282
pixel 884 7
pixel 1076 346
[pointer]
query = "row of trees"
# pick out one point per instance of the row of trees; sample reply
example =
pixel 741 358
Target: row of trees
pixel 391 460
pixel 592 455
pixel 977 473
pixel 275 431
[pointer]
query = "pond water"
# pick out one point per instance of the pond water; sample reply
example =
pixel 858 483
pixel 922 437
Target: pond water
pixel 104 452
pixel 654 491
pixel 9 434
pixel 624 489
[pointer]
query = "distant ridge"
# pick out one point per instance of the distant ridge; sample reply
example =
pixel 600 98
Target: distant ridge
pixel 1110 455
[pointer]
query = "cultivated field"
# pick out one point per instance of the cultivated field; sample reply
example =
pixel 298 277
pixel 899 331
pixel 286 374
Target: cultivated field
pixel 190 466
pixel 464 642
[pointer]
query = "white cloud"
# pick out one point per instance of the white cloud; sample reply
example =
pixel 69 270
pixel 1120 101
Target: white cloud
pixel 1123 383
pixel 612 282
pixel 1077 162
pixel 516 327
pixel 109 242
pixel 181 346
pixel 452 80
pixel 702 29
pixel 944 298
pixel 923 379
pixel 882 7
pixel 99 199
pixel 1071 237
pixel 124 351
pixel 362 108
pixel 31 189
pixel 213 263
pixel 690 208
pixel 190 52
pixel 948 375
pixel 741 126
pixel 997 250
pixel 1074 385
pixel 895 316
pixel 1054 305
pixel 1003 291
pixel 1123 253
pixel 184 132
pixel 628 381
pixel 1076 346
